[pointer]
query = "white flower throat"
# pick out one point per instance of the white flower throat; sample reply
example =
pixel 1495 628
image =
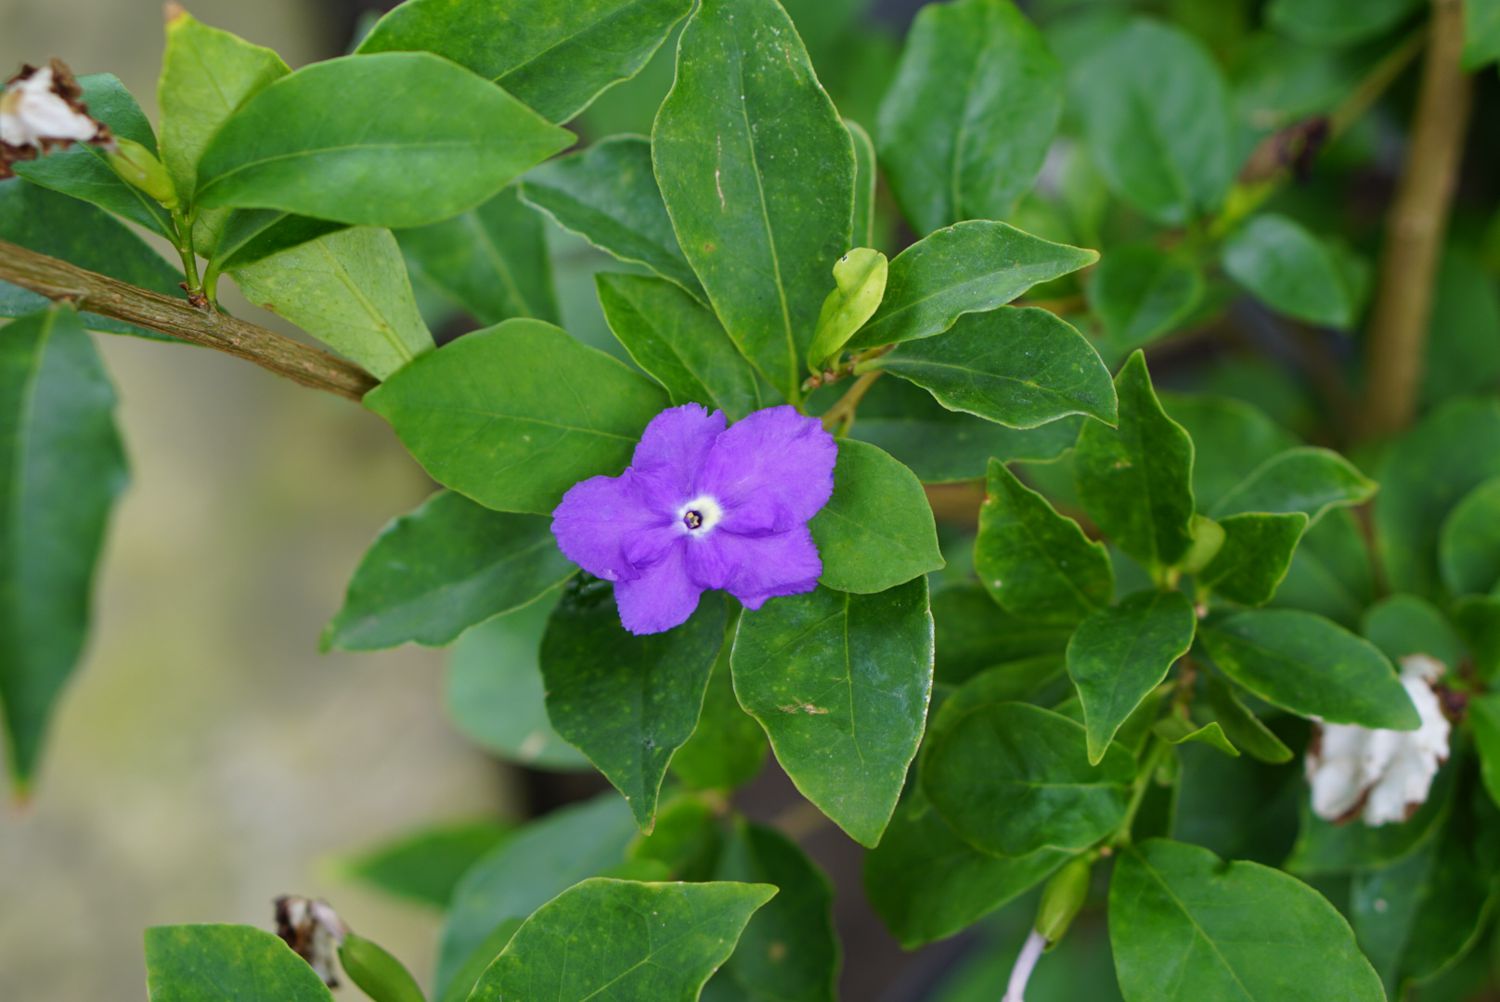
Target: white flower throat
pixel 699 516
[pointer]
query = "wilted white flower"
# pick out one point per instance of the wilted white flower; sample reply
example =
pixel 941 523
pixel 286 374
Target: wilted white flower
pixel 314 931
pixel 41 110
pixel 1381 776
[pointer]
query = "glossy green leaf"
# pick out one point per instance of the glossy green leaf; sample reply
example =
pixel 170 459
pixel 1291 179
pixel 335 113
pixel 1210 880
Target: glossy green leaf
pixel 1020 368
pixel 1484 723
pixel 1481 33
pixel 424 866
pixel 554 55
pixel 1036 563
pixel 491 261
pixel 680 342
pixel 840 683
pixel 1140 293
pixel 514 415
pixel 1178 730
pixel 1157 121
pixel 865 178
pixel 449 564
pixel 757 171
pixel 1337 22
pixel 728 747
pixel 1119 654
pixel 1241 726
pixel 974 634
pixel 62 467
pixel 394 139
pixel 1012 778
pixel 1310 666
pixel 968 118
pixel 627 702
pixel 348 289
pixel 1255 556
pixel 1186 926
pixel 235 963
pixel 971 267
pixel 1401 625
pixel 877 530
pixel 619 941
pixel 859 279
pixel 1469 546
pixel 1291 271
pixel 1136 480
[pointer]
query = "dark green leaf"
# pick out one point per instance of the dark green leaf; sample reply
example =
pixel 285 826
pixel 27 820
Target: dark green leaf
pixel 1469 547
pixel 1141 293
pixel 1331 573
pixel 1304 479
pixel 425 866
pixel 728 747
pixel 1241 726
pixel 974 634
pixel 1401 625
pixel 1291 271
pixel 627 702
pixel 840 683
pixel 1326 848
pixel 1255 556
pixel 1477 618
pixel 514 415
pixel 249 235
pixel 757 171
pixel 1229 437
pixel 394 139
pixel 1122 653
pixel 226 963
pixel 1463 332
pixel 1337 22
pixel 1179 730
pixel 865 176
pixel 877 530
pixel 1484 722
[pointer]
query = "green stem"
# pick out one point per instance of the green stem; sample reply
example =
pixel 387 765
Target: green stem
pixel 1156 751
pixel 182 224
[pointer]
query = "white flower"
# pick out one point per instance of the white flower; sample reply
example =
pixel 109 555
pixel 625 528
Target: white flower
pixel 40 110
pixel 1378 775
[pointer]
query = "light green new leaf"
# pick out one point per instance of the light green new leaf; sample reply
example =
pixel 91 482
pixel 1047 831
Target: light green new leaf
pixel 491 261
pixel 865 176
pixel 840 683
pixel 877 529
pixel 424 866
pixel 1481 33
pixel 1255 556
pixel 1119 654
pixel 608 195
pixel 1337 22
pixel 1186 926
pixel 680 342
pixel 970 113
pixel 972 267
pixel 233 963
pixel 1241 726
pixel 1036 563
pixel 619 941
pixel 1157 120
pixel 627 702
pixel 514 415
pixel 1310 666
pixel 728 747
pixel 1135 481
pixel 554 55
pixel 395 139
pixel 1013 778
pixel 375 971
pixel 434 573
pixel 1469 547
pixel 757 171
pixel 1305 479
pixel 61 468
pixel 859 284
pixel 1020 368
pixel 348 289
pixel 1290 270
pixel 1140 293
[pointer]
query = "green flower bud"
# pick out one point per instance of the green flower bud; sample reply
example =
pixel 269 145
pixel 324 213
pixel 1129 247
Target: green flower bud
pixel 1063 898
pixel 136 165
pixel 1208 539
pixel 378 974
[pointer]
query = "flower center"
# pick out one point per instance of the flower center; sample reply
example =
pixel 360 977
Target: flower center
pixel 700 515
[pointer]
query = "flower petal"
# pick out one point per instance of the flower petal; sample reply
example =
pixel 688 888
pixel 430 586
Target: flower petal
pixel 660 598
pixel 771 471
pixel 755 568
pixel 672 450
pixel 606 526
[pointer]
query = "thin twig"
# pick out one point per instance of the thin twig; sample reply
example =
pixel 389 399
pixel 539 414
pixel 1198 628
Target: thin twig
pixel 843 410
pixel 108 297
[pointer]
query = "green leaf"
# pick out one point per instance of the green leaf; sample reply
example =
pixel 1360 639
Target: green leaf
pixel 1477 618
pixel 1037 564
pixel 789 951
pixel 1020 368
pixel 515 414
pixel 491 261
pixel 494 692
pixel 555 55
pixel 967 119
pixel 1463 329
pixel 1121 653
pixel 1484 723
pixel 1310 666
pixel 1331 573
pixel 349 290
pixel 250 235
pixel 376 972
pixel 686 839
pixel 859 283
pixel 1337 22
pixel 1291 271
pixel 1012 778
pixel 424 866
pixel 757 171
pixel 1235 930
pixel 927 883
pixel 1179 730
pixel 1481 33
pixel 1255 556
pixel 1469 546
pixel 1326 848
pixel 1240 725
pixel 972 267
pixel 536 865
pixel 462 981
pixel 1156 118
pixel 449 564
pixel 1401 625
pixel 1229 437
pixel 619 941
pixel 974 634
pixel 608 195
pixel 395 139
pixel 877 529
pixel 680 342
pixel 627 702
pixel 232 963
pixel 728 747
pixel 61 468
pixel 1140 293
pixel 1136 480
pixel 865 177
pixel 840 683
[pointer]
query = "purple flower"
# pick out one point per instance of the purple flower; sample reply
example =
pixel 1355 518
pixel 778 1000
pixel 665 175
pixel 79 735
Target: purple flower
pixel 702 507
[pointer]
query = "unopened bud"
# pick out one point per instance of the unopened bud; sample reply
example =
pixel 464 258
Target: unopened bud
pixel 1063 898
pixel 139 167
pixel 376 973
pixel 1208 539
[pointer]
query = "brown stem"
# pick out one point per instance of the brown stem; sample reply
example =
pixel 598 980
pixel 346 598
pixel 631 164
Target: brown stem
pixel 1414 229
pixel 108 297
